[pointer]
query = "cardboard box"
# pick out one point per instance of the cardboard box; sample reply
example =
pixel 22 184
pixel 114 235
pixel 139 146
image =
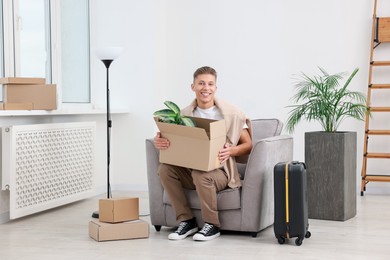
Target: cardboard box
pixel 26 81
pixel 43 97
pixel 101 231
pixel 193 147
pixel 118 210
pixel 18 106
pixel 384 29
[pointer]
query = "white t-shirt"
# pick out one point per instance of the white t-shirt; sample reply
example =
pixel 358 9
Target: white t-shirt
pixel 210 113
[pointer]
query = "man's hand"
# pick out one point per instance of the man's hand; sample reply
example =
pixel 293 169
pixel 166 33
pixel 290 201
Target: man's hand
pixel 243 147
pixel 160 143
pixel 225 153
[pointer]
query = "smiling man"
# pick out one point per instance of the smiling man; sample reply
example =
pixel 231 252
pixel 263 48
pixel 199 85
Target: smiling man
pixel 237 147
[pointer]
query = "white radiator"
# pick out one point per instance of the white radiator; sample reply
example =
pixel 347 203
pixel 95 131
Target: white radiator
pixel 47 165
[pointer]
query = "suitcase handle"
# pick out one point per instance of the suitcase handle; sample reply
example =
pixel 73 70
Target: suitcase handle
pixel 298 162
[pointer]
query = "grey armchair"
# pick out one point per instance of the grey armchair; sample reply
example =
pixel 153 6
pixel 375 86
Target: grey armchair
pixel 249 208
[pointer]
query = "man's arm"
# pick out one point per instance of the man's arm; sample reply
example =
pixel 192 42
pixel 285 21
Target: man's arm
pixel 243 147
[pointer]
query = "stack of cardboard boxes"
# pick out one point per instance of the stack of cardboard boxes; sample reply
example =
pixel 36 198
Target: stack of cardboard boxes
pixel 28 94
pixel 118 219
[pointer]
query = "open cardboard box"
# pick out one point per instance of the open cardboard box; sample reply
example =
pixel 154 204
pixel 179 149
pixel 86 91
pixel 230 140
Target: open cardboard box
pixel 193 147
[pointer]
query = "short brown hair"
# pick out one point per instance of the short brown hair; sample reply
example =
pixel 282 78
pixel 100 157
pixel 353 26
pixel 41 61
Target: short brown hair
pixel 205 70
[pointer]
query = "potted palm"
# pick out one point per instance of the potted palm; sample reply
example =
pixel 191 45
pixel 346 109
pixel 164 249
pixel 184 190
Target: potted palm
pixel 330 155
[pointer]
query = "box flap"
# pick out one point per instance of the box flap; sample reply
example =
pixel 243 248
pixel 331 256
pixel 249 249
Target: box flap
pixel 217 129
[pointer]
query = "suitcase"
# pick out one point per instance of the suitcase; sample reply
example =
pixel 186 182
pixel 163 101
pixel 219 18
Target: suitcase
pixel 290 198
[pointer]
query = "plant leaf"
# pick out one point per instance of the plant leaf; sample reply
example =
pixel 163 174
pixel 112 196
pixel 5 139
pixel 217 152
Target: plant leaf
pixel 175 108
pixel 321 98
pixel 188 121
pixel 165 112
pixel 173 115
pixel 167 119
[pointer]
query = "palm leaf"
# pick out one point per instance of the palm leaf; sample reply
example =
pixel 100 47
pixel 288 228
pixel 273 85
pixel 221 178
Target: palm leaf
pixel 324 101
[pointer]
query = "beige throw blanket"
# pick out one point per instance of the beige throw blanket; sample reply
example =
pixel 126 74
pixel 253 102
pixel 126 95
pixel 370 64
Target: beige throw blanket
pixel 235 120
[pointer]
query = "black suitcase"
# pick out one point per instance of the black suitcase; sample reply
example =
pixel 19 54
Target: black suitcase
pixel 291 216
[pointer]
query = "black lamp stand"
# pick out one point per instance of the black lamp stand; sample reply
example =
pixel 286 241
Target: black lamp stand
pixel 107 63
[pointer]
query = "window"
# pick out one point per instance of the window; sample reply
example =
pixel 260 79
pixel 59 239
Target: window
pixel 50 39
pixel 32 39
pixel 1 45
pixel 75 51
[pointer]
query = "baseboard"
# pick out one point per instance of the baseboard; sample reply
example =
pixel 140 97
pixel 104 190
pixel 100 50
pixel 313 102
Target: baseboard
pixel 122 187
pixel 376 188
pixel 377 191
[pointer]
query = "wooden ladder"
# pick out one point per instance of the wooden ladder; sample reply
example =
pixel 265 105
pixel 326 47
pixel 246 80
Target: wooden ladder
pixel 380 34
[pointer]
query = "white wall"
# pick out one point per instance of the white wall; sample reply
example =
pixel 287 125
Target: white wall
pixel 257 47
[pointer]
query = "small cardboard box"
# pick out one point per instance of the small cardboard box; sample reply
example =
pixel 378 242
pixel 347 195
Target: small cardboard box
pixel 383 29
pixel 43 97
pixel 118 209
pixel 26 81
pixel 101 231
pixel 193 147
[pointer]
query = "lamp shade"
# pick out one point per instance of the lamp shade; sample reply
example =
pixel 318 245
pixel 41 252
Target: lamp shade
pixel 108 53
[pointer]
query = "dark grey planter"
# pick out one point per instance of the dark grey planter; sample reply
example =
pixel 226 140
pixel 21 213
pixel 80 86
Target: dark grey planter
pixel 331 175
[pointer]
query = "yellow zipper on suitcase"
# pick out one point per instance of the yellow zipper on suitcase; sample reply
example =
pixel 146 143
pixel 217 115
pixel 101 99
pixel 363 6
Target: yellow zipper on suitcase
pixel 287 204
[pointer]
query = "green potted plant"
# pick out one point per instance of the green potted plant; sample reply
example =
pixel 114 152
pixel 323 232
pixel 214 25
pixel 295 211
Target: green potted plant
pixel 325 101
pixel 172 115
pixel 330 155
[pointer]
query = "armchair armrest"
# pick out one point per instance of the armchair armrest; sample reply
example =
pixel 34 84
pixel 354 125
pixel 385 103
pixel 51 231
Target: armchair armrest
pixel 155 188
pixel 258 179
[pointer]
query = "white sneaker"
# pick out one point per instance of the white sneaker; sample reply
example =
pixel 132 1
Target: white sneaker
pixel 208 232
pixel 185 229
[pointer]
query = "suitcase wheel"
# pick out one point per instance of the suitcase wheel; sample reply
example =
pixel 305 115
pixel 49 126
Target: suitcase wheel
pixel 299 241
pixel 281 240
pixel 308 234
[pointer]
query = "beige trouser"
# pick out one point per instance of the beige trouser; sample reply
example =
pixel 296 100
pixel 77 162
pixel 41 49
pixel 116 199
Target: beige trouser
pixel 174 179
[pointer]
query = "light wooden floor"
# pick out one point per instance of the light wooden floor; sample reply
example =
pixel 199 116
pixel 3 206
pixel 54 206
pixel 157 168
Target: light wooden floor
pixel 62 233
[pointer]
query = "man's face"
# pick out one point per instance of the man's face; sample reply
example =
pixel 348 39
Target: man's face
pixel 204 87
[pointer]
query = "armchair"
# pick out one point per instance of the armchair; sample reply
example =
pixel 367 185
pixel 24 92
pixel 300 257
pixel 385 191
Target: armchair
pixel 249 208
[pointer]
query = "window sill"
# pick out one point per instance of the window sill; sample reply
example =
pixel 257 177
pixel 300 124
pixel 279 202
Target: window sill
pixel 4 113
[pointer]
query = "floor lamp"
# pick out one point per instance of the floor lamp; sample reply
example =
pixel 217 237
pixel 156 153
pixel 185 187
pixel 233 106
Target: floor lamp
pixel 107 55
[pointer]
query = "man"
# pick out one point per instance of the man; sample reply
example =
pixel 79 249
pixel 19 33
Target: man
pixel 238 145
